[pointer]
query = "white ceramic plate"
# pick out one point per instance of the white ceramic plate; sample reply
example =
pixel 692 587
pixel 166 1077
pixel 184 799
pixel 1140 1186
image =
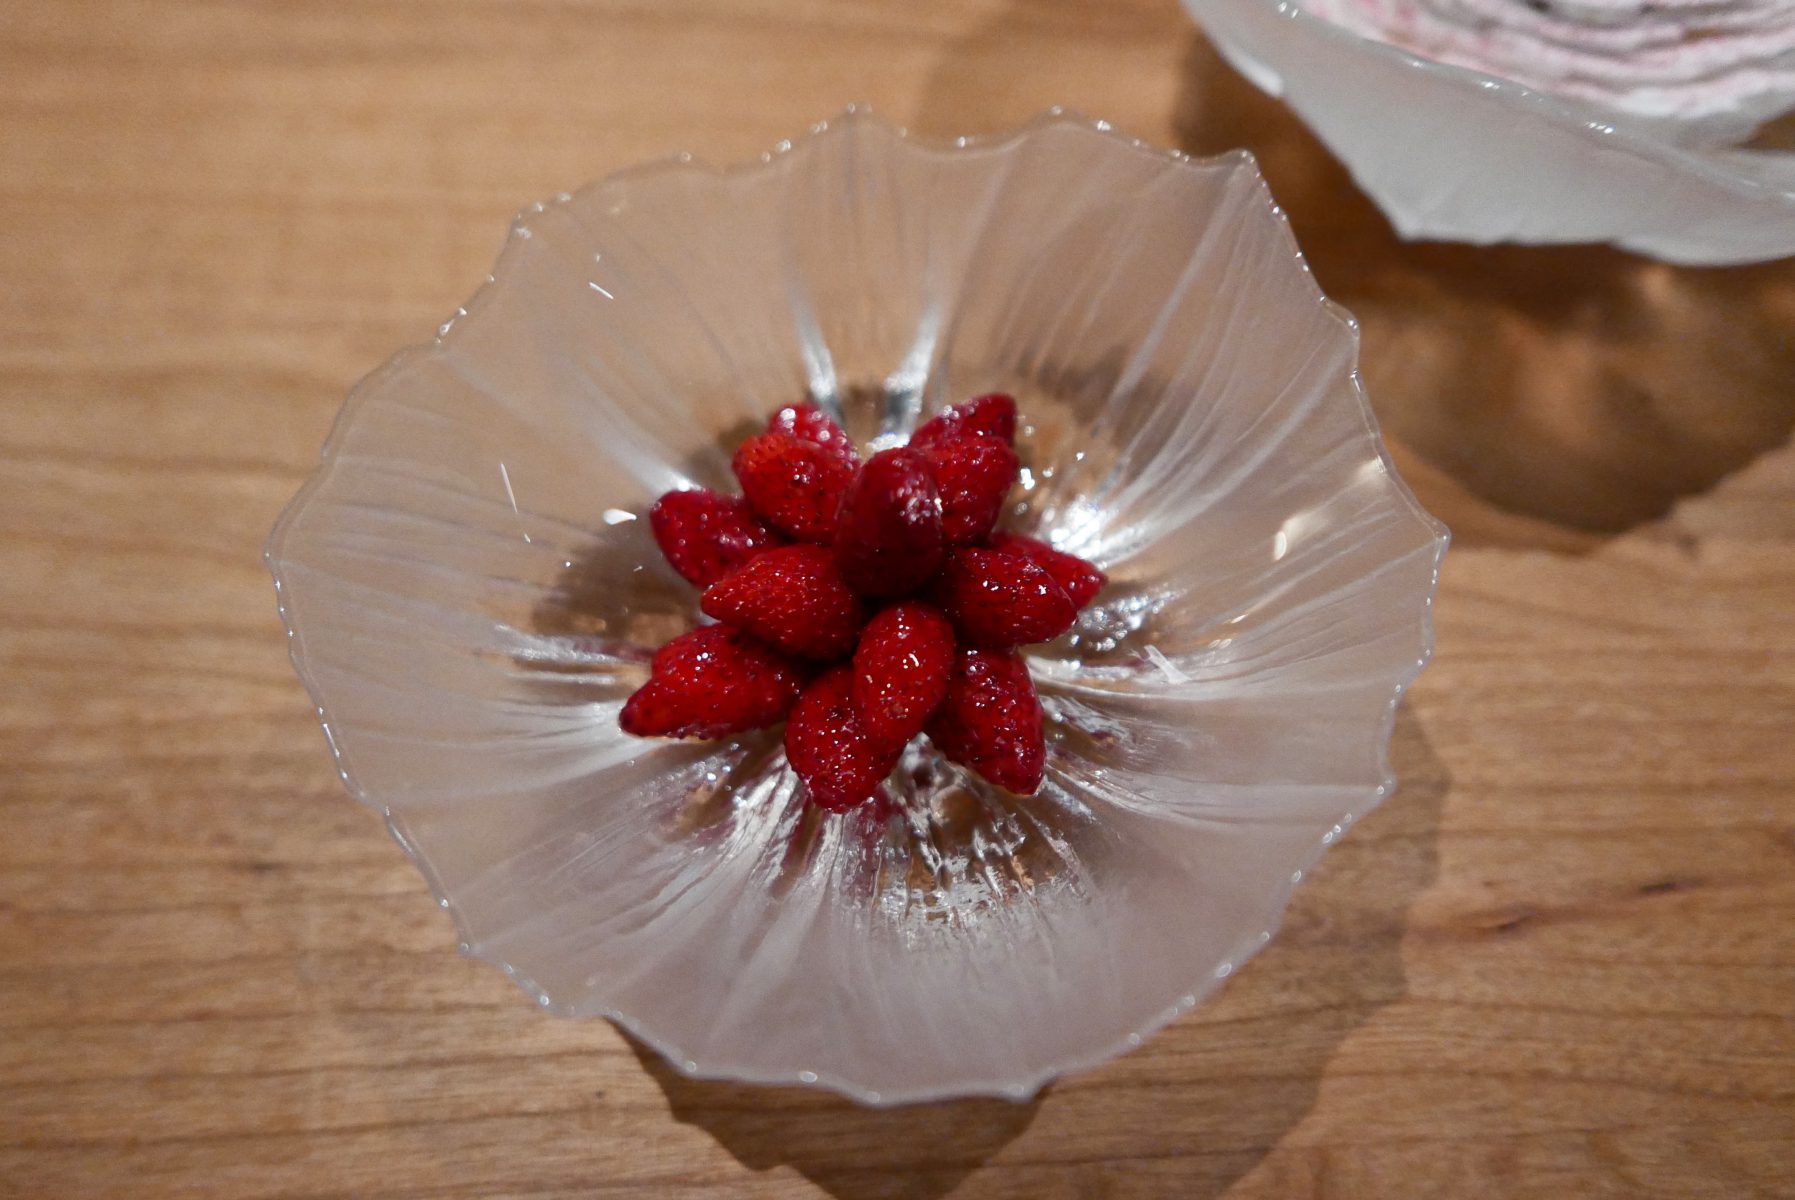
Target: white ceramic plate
pixel 1457 155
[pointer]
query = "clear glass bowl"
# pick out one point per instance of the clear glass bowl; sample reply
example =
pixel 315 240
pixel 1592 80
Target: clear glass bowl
pixel 471 591
pixel 1462 155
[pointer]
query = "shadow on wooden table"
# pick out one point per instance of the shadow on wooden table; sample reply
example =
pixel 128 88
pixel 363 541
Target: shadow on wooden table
pixel 1187 1115
pixel 837 1144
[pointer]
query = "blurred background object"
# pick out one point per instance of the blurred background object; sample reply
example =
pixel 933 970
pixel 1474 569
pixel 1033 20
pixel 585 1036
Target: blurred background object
pixel 1439 121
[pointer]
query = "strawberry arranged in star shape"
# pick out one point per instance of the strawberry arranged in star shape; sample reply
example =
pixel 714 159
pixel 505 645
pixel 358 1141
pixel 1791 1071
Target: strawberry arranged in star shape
pixel 864 603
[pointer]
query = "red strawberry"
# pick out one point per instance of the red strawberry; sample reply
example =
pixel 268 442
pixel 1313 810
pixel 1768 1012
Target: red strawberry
pixel 974 474
pixel 827 747
pixel 900 671
pixel 888 537
pixel 793 484
pixel 991 720
pixel 998 599
pixel 1081 580
pixel 712 682
pixel 992 415
pixel 808 423
pixel 705 535
pixel 792 598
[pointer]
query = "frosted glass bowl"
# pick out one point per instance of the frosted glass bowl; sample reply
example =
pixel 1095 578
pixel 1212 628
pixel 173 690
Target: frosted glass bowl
pixel 1461 155
pixel 471 592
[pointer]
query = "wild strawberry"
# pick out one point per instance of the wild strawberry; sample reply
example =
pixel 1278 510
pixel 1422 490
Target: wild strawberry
pixel 993 415
pixel 828 748
pixel 793 484
pixel 808 423
pixel 888 536
pixel 712 682
pixel 792 598
pixel 991 719
pixel 900 671
pixel 1081 580
pixel 974 474
pixel 705 535
pixel 997 599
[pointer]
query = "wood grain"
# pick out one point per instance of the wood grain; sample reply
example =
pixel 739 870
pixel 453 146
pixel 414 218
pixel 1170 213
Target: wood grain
pixel 1558 963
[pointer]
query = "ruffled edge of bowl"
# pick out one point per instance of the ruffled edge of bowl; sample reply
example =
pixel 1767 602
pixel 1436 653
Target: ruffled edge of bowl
pixel 1016 1090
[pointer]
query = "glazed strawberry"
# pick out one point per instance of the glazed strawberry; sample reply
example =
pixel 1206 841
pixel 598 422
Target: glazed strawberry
pixel 991 719
pixel 794 485
pixel 992 415
pixel 712 682
pixel 974 475
pixel 917 522
pixel 705 535
pixel 1081 580
pixel 792 598
pixel 997 599
pixel 808 423
pixel 828 748
pixel 888 536
pixel 900 671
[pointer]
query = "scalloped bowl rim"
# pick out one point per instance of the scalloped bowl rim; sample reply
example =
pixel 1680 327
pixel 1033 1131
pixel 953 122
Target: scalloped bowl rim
pixel 1057 116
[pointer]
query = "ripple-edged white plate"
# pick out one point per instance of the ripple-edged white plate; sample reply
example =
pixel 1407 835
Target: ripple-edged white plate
pixel 1460 155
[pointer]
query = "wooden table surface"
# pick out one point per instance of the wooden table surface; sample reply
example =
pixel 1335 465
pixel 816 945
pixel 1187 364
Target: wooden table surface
pixel 1560 962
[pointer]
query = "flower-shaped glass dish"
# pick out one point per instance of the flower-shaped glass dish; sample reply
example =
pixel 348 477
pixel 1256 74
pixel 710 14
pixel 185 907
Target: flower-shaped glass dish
pixel 472 591
pixel 1462 155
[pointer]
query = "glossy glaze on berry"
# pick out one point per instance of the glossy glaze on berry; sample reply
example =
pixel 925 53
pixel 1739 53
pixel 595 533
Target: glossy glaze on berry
pixel 974 475
pixel 888 537
pixel 901 668
pixel 710 683
pixel 794 599
pixel 705 535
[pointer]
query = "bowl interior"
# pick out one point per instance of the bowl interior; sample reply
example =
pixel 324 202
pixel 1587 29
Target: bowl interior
pixel 472 592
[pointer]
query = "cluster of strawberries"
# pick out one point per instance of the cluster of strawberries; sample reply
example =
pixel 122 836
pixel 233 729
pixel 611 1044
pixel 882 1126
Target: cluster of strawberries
pixel 864 603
